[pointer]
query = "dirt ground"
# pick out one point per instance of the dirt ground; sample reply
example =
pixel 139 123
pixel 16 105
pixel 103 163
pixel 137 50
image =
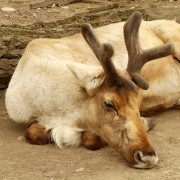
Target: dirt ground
pixel 22 161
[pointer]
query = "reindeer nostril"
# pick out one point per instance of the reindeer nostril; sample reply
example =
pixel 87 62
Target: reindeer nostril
pixel 138 156
pixel 145 161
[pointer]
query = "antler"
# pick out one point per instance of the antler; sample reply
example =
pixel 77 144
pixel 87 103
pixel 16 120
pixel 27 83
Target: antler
pixel 137 56
pixel 104 53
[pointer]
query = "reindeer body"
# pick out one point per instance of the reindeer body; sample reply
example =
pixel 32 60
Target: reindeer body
pixel 48 83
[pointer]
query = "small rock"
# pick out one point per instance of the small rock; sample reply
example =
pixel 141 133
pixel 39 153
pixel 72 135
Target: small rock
pixel 65 7
pixel 24 16
pixel 132 7
pixel 8 9
pixel 79 170
pixel 165 172
pixel 20 138
pixel 171 1
pixel 35 15
pixel 6 38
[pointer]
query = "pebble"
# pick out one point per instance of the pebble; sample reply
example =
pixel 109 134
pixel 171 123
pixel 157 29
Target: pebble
pixel 79 170
pixel 21 138
pixel 6 38
pixel 8 9
pixel 65 7
pixel 35 15
pixel 132 7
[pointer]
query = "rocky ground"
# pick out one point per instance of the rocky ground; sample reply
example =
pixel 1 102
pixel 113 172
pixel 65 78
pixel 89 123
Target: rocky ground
pixel 27 20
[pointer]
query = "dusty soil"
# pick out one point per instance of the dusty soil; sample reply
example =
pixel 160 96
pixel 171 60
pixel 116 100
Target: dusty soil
pixel 20 160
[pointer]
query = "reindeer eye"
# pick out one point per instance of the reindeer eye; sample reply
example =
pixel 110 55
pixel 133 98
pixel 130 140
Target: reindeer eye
pixel 109 104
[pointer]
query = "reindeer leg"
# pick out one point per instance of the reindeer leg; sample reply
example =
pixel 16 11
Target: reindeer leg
pixel 36 134
pixel 149 123
pixel 92 141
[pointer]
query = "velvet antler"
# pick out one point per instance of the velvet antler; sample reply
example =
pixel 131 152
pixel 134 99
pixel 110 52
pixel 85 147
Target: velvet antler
pixel 104 53
pixel 137 56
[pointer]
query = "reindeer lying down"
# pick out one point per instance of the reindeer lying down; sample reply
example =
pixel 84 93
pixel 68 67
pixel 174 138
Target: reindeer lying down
pixel 70 96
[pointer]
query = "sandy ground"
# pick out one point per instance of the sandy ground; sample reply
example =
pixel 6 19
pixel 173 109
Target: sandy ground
pixel 22 161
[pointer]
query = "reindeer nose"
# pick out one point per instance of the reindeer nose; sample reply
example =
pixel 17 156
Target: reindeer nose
pixel 145 161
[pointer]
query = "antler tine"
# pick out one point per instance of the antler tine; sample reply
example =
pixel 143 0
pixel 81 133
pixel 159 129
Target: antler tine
pixel 104 53
pixel 137 56
pixel 95 44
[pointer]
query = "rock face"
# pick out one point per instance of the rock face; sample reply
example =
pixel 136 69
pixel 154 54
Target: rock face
pixel 10 52
pixel 19 26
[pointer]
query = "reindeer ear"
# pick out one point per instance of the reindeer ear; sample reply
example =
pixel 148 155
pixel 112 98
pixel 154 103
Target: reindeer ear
pixel 89 76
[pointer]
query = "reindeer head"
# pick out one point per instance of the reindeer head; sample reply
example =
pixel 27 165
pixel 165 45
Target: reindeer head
pixel 116 96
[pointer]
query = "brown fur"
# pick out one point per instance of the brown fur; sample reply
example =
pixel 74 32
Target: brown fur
pixel 112 129
pixel 153 111
pixel 35 134
pixel 92 141
pixel 176 107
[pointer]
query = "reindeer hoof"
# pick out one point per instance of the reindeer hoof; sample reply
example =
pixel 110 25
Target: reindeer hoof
pixel 35 134
pixel 149 123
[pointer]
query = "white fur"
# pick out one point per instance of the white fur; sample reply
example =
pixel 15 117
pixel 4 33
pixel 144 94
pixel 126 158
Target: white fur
pixel 90 81
pixel 65 136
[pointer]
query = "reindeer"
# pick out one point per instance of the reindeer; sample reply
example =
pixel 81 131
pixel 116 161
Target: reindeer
pixel 66 96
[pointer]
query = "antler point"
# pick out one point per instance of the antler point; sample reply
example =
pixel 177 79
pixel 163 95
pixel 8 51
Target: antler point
pixel 85 27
